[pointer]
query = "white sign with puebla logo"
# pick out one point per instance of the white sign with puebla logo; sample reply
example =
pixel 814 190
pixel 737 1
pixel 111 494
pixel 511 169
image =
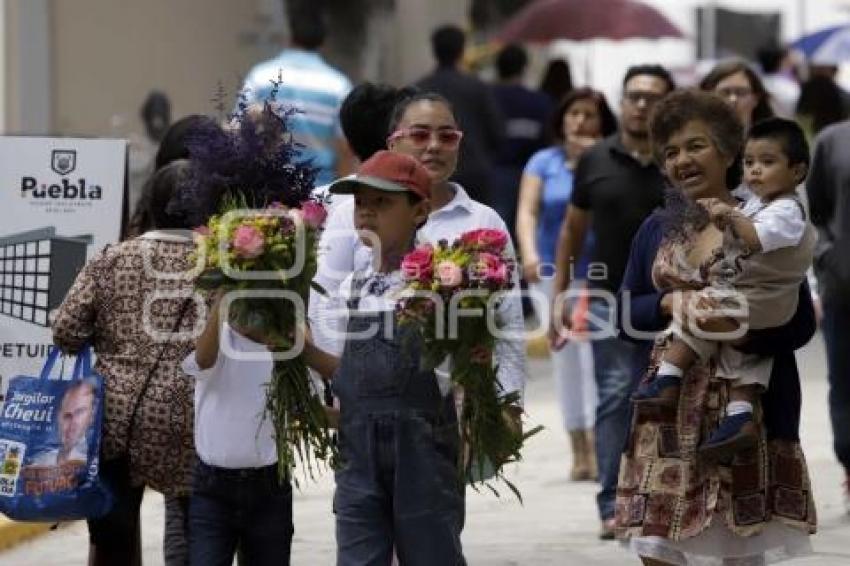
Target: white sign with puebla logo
pixel 62 200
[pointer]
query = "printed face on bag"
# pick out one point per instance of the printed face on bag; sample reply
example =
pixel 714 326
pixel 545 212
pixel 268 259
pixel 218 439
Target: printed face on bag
pixel 75 417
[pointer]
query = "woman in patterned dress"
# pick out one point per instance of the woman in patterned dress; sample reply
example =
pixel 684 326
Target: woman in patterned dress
pixel 672 507
pixel 127 301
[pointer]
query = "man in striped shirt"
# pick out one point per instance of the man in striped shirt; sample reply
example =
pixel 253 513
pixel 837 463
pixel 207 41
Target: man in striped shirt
pixel 312 87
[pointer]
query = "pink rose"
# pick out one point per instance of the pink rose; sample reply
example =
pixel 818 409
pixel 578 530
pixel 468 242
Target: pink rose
pixel 492 268
pixel 449 274
pixel 248 242
pixel 485 239
pixel 418 264
pixel 314 213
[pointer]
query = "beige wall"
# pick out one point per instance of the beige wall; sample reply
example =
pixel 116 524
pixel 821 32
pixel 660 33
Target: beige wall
pixel 26 56
pixel 102 57
pixel 106 55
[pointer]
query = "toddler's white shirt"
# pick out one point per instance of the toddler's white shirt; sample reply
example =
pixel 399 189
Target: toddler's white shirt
pixel 778 224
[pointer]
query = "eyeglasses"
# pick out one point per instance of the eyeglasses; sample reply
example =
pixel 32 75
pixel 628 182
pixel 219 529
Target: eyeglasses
pixel 648 98
pixel 735 92
pixel 420 137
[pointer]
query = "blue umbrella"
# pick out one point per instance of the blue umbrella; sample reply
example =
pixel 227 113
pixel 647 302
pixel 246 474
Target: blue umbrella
pixel 828 46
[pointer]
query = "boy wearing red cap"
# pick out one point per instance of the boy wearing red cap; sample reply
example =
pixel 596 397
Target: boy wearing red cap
pixel 398 483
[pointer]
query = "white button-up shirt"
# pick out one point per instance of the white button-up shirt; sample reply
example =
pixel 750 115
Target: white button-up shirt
pixel 341 252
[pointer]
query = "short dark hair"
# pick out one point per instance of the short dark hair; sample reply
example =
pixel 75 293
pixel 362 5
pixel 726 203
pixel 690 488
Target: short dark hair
pixel 161 189
pixel 403 104
pixel 557 79
pixel 447 43
pixel 173 144
pixel 821 102
pixel 770 58
pixel 365 116
pixel 156 102
pixel 608 122
pixel 306 28
pixel 675 110
pixel 762 110
pixel 652 70
pixel 173 147
pixel 511 61
pixel 788 134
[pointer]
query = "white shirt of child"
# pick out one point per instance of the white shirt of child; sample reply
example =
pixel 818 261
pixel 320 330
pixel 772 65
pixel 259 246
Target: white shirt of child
pixel 778 224
pixel 230 398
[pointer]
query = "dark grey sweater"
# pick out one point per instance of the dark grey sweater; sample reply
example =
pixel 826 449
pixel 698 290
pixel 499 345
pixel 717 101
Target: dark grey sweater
pixel 828 190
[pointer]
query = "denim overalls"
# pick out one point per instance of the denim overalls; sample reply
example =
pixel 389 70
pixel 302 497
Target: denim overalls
pixel 398 483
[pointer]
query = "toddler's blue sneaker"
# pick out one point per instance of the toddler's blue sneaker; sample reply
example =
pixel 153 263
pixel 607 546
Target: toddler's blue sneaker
pixel 733 434
pixel 663 390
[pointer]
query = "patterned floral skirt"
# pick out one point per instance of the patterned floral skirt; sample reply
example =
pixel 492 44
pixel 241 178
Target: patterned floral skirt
pixel 669 501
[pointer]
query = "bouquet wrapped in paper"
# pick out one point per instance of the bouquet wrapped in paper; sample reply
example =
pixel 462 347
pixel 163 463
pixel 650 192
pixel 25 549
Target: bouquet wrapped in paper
pixel 452 296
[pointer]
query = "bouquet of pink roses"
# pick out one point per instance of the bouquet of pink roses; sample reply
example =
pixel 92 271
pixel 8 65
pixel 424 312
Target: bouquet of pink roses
pixel 268 257
pixel 469 276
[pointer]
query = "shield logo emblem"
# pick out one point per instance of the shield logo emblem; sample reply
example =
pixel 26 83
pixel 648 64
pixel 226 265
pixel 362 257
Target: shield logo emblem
pixel 63 161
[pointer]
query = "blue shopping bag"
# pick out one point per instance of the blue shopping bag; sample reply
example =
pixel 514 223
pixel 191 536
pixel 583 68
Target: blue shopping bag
pixel 50 432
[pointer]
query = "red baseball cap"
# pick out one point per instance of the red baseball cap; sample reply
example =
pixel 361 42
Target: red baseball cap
pixel 387 171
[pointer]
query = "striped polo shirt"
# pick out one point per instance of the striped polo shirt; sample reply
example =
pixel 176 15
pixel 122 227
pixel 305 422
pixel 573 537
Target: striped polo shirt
pixel 314 88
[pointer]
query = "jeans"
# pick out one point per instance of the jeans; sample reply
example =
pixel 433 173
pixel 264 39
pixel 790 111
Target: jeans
pixel 248 508
pixel 836 329
pixel 615 383
pixel 398 488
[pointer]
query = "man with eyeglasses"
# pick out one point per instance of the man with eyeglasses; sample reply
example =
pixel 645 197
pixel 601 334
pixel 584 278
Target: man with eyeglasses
pixel 617 185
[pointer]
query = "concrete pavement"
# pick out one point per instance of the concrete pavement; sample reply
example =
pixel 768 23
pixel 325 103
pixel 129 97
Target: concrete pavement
pixel 556 526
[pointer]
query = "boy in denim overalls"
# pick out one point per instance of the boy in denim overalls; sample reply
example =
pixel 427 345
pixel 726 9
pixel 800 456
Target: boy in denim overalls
pixel 398 485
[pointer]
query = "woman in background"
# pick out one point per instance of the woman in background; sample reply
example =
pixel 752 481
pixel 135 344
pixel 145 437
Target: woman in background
pixel 582 118
pixel 740 86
